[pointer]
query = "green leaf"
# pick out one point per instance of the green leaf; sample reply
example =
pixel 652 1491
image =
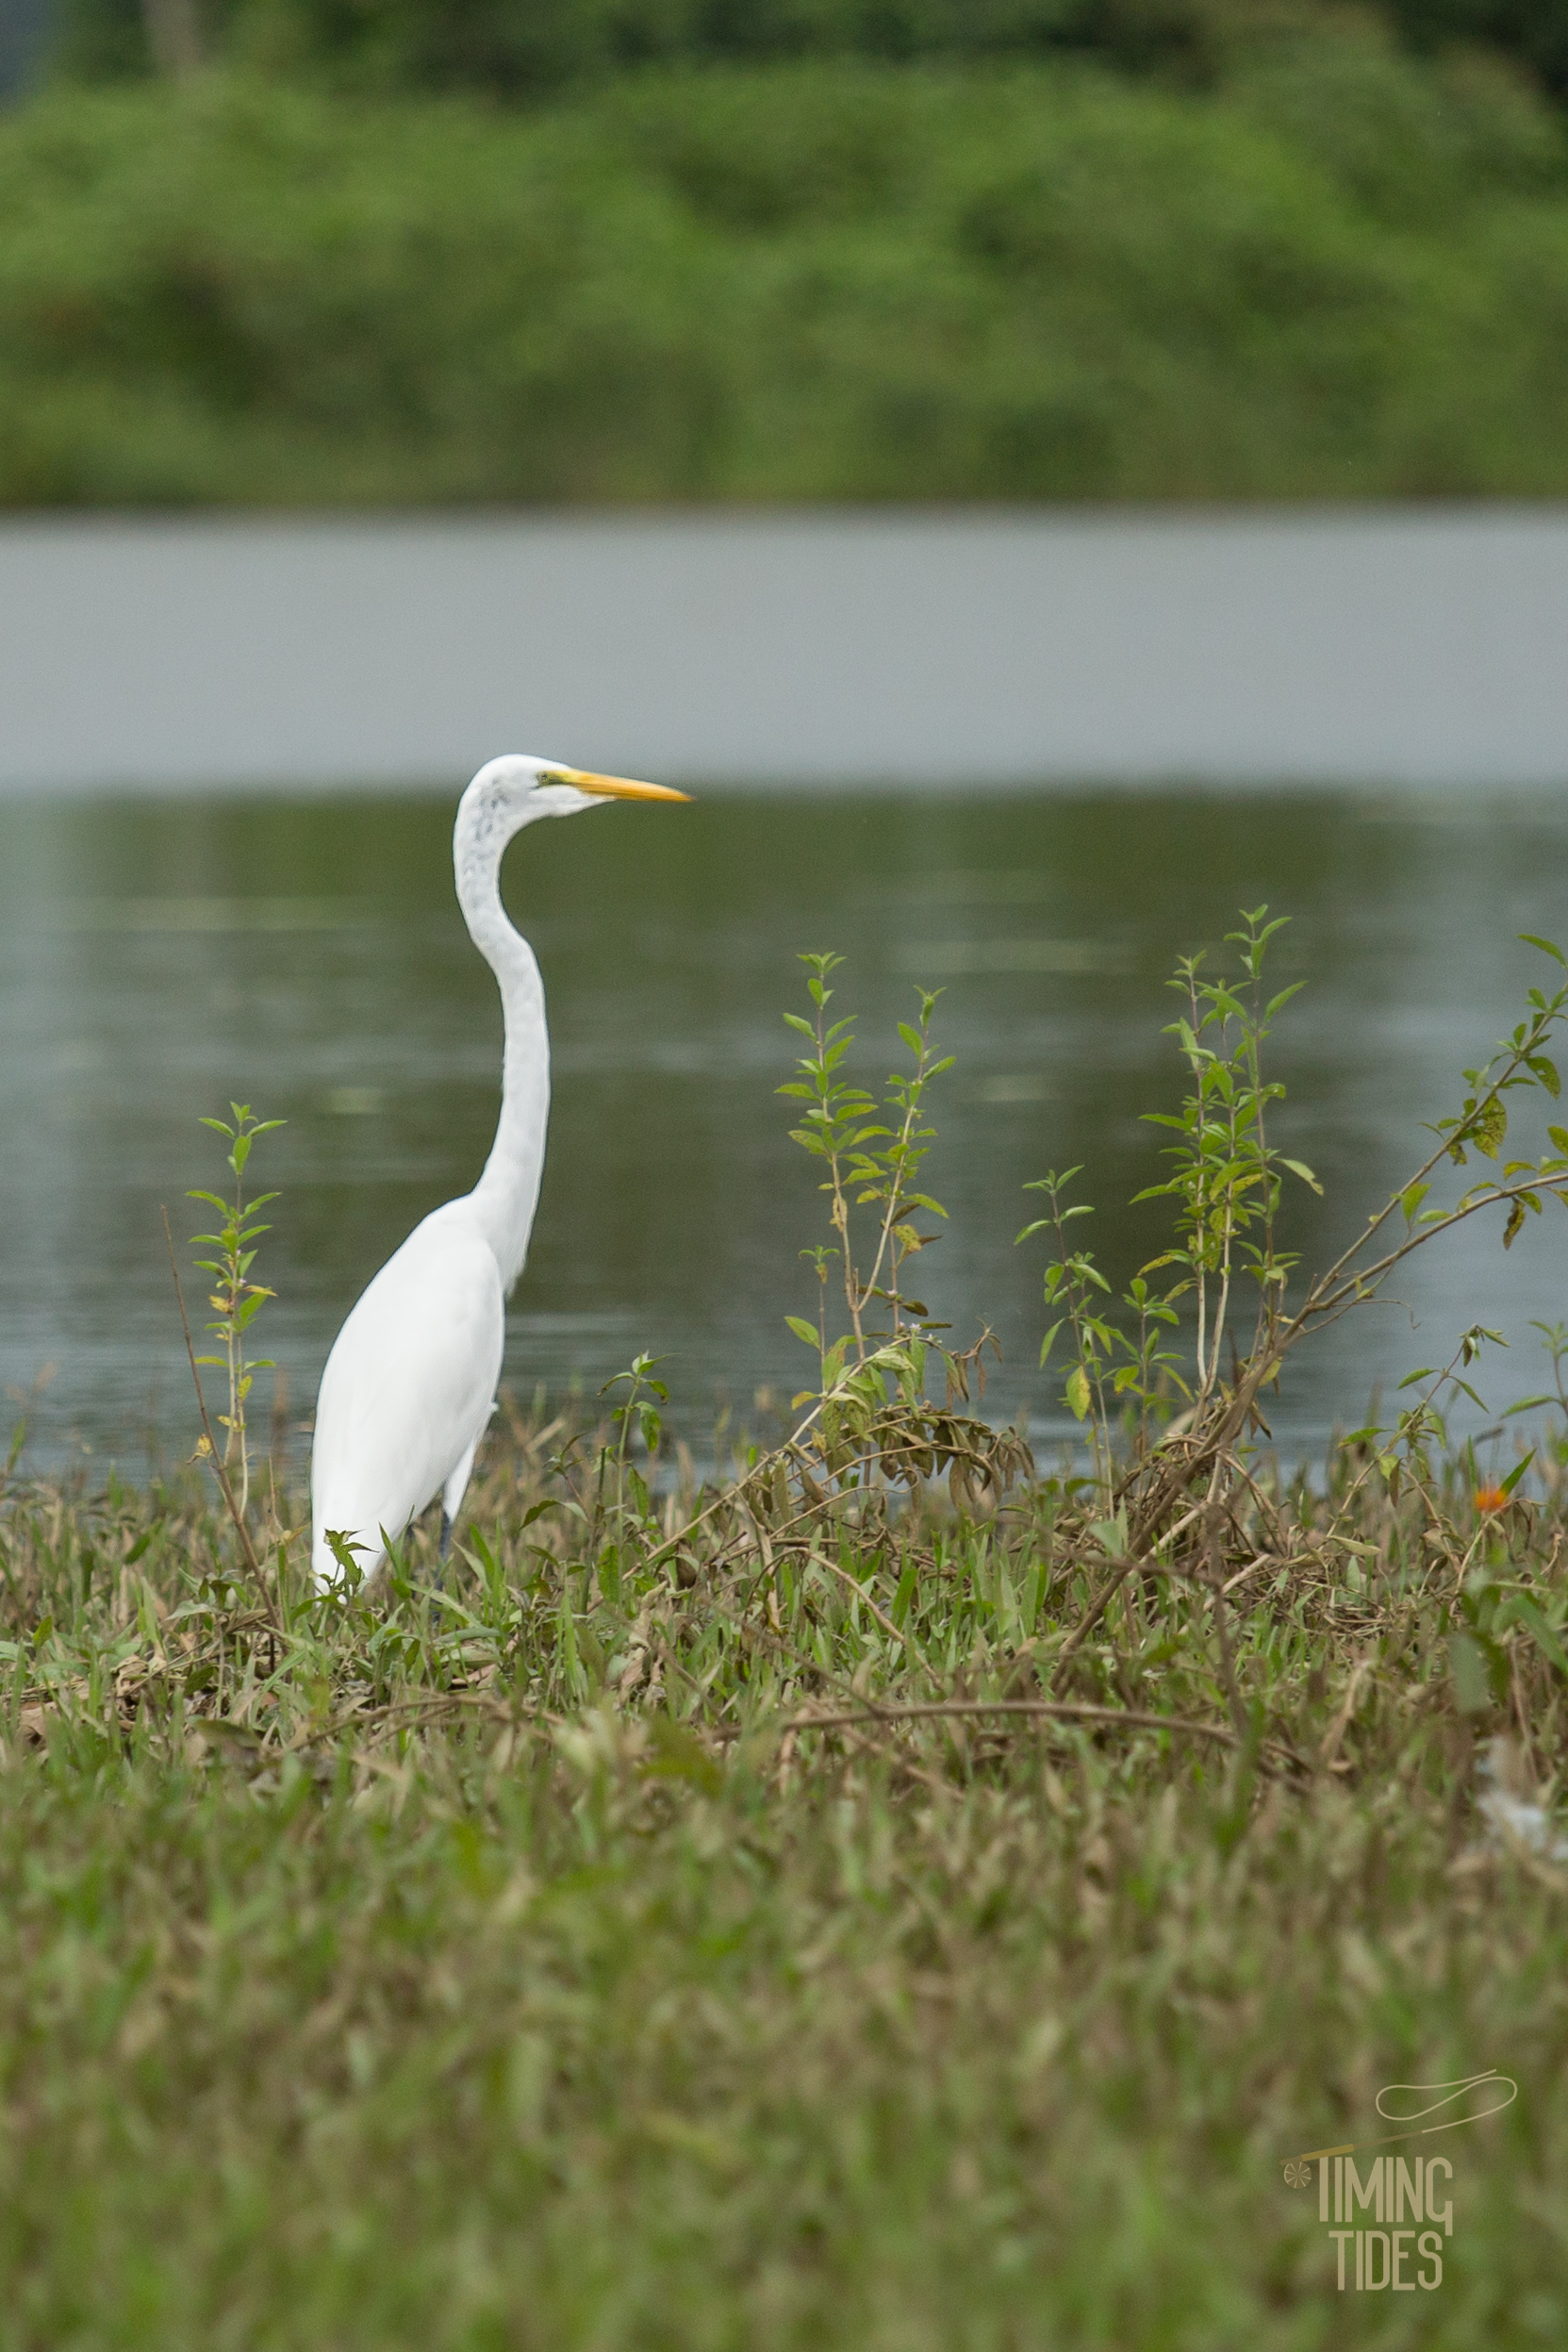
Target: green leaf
pixel 804 1329
pixel 343 1547
pixel 1545 945
pixel 1529 1617
pixel 1514 1476
pixel 1300 1167
pixel 1489 1128
pixel 1078 1394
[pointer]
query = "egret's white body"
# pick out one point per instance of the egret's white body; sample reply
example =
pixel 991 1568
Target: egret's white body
pixel 411 1380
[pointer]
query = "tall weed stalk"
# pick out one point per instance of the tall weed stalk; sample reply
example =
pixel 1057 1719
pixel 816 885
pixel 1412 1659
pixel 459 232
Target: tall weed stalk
pixel 236 1299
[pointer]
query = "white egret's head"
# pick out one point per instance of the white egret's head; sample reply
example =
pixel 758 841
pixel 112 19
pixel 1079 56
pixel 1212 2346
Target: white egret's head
pixel 516 788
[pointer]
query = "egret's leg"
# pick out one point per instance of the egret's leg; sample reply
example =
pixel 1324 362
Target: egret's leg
pixel 451 1497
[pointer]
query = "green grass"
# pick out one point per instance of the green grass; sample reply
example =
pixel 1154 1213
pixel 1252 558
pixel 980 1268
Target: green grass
pixel 1344 274
pixel 378 1974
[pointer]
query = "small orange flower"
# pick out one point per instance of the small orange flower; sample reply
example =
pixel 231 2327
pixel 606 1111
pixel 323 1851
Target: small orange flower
pixel 1491 1499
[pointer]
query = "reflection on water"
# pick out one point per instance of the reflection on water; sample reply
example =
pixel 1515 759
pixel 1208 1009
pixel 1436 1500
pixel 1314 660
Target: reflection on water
pixel 158 959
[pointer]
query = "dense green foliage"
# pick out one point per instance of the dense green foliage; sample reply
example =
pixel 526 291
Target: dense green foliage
pixel 525 47
pixel 1344 275
pixel 1534 31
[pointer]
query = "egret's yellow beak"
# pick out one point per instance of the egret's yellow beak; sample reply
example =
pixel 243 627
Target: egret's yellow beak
pixel 618 788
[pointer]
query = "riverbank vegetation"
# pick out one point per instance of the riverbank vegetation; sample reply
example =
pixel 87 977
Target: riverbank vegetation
pixel 1336 271
pixel 519 51
pixel 869 1889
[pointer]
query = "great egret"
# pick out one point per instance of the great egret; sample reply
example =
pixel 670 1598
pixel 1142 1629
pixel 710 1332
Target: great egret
pixel 410 1382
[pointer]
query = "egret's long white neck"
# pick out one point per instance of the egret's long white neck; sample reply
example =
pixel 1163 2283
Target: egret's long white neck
pixel 507 1192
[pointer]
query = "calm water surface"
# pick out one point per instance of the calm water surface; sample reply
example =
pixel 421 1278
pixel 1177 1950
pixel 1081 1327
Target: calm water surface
pixel 157 958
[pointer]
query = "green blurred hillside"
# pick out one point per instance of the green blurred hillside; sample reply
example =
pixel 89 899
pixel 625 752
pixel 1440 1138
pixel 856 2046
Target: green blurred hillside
pixel 526 47
pixel 1341 273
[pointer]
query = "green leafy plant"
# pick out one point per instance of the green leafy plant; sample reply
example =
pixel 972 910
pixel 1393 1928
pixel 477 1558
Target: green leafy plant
pixel 872 1155
pixel 621 1493
pixel 870 1426
pixel 1167 1500
pixel 235 1298
pixel 1226 1179
pixel 1224 1184
pixel 1134 1370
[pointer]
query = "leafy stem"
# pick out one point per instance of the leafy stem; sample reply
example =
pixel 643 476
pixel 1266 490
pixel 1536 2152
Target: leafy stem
pixel 872 1155
pixel 236 1299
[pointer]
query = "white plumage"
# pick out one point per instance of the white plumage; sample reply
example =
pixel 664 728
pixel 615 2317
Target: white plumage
pixel 410 1382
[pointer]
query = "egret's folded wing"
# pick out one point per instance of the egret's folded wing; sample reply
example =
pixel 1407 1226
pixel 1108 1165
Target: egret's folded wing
pixel 408 1385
